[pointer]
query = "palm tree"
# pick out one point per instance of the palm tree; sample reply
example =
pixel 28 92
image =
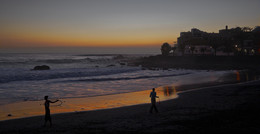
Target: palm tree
pixel 165 49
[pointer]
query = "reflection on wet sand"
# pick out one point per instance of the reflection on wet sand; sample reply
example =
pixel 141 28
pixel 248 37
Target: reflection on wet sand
pixel 169 90
pixel 34 108
pixel 238 76
pixel 243 76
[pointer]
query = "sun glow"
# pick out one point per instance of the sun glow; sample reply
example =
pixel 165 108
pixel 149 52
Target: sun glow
pixel 45 38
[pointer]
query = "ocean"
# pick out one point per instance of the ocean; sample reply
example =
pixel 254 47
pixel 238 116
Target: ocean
pixel 84 75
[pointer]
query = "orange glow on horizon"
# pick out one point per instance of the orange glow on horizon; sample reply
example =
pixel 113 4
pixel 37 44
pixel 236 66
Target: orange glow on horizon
pixel 16 41
pixel 27 37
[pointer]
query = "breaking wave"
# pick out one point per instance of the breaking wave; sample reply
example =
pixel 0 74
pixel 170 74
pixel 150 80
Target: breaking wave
pixel 125 78
pixel 26 75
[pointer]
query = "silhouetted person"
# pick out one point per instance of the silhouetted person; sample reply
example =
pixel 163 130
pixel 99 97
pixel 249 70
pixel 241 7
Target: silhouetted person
pixel 47 110
pixel 153 101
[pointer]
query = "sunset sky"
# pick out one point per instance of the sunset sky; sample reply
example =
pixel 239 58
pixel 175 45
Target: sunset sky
pixel 55 23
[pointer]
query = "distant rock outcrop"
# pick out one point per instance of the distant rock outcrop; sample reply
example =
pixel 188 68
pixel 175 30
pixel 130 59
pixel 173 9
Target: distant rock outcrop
pixel 112 65
pixel 42 67
pixel 118 57
pixel 122 63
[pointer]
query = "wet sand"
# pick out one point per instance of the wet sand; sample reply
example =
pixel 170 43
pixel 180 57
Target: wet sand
pixel 216 109
pixel 36 108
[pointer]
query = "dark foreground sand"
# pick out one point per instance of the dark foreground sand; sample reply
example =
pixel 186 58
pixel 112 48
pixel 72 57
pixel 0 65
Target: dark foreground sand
pixel 220 109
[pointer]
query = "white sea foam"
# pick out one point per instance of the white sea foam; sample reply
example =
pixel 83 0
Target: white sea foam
pixel 82 76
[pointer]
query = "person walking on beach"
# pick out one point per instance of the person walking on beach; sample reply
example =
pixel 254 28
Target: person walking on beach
pixel 47 110
pixel 153 101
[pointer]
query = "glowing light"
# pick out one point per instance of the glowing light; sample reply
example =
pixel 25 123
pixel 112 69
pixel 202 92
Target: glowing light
pixel 238 75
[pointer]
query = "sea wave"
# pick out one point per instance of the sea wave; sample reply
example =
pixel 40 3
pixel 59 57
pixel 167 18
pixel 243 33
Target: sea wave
pixel 125 78
pixel 52 61
pixel 26 75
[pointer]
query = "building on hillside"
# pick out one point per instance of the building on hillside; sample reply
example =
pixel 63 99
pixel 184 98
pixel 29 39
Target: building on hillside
pixel 226 42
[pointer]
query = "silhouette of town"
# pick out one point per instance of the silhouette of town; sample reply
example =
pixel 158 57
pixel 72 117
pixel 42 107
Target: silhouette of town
pixel 234 41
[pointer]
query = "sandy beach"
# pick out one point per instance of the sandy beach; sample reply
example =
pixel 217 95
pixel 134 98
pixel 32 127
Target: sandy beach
pixel 92 66
pixel 215 109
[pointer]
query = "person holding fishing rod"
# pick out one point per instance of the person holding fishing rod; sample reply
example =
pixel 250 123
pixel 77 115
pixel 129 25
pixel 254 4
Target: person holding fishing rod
pixel 47 110
pixel 153 101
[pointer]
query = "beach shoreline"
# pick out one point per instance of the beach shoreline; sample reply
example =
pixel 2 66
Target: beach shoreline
pixel 71 105
pixel 175 115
